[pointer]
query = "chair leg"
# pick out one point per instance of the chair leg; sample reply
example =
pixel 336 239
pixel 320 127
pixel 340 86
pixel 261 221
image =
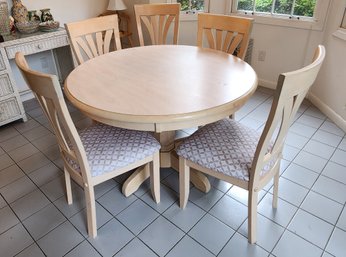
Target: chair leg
pixel 91 210
pixel 155 177
pixel 276 188
pixel 184 182
pixel 252 217
pixel 68 187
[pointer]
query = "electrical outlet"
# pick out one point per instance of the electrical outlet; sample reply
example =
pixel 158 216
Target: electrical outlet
pixel 44 63
pixel 261 56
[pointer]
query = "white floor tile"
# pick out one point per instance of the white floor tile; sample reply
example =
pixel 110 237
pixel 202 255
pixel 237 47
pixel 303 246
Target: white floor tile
pixel 327 138
pixel 322 207
pixel 239 246
pixel 189 247
pixel 331 189
pixel 342 220
pixel 230 212
pixel 186 218
pixel 161 236
pixel 135 248
pixel 300 175
pixel 293 245
pixel 137 216
pixel 268 232
pixel 336 245
pixel 319 149
pixel 14 240
pixel 291 192
pixel 339 157
pixel 83 249
pixel 332 128
pixel 335 171
pixel 56 243
pixel 210 225
pixel 282 215
pixel 311 228
pixel 310 161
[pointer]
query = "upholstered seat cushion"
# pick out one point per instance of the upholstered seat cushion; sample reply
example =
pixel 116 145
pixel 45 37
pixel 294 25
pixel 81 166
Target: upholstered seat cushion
pixel 225 146
pixel 109 148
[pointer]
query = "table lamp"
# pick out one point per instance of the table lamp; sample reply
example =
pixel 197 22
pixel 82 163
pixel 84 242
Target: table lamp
pixel 116 5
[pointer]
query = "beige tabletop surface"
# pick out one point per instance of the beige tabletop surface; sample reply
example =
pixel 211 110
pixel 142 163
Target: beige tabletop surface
pixel 161 88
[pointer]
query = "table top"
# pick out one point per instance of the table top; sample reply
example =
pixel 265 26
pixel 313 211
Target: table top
pixel 161 88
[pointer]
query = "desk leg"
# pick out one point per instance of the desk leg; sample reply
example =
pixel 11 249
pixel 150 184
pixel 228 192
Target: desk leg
pixel 168 158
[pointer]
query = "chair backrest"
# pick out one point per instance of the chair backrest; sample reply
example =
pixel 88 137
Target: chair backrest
pixel 93 37
pixel 157 19
pixel 225 33
pixel 47 91
pixel 291 90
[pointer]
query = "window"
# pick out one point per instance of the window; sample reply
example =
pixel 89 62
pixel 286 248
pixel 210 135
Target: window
pixel 290 8
pixel 191 5
pixel 343 22
pixel 304 14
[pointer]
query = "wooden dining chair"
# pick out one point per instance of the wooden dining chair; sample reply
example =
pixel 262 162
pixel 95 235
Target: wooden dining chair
pixel 226 33
pixel 96 154
pixel 93 37
pixel 241 156
pixel 157 19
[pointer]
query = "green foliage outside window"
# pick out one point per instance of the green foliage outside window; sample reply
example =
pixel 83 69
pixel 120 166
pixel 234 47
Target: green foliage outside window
pixel 301 7
pixel 191 5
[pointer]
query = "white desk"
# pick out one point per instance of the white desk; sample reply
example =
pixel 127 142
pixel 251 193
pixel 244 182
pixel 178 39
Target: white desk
pixel 11 107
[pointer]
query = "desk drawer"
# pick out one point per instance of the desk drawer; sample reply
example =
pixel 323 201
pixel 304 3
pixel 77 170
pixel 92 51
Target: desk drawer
pixel 9 109
pixel 2 63
pixel 5 85
pixel 37 46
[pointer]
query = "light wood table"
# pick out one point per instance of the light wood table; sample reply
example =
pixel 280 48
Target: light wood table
pixel 161 89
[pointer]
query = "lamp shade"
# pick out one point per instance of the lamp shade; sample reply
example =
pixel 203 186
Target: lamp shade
pixel 116 5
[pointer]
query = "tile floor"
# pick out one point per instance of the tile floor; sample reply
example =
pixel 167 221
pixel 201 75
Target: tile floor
pixel 35 219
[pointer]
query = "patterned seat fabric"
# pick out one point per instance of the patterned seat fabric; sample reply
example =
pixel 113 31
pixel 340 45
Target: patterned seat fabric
pixel 109 148
pixel 225 146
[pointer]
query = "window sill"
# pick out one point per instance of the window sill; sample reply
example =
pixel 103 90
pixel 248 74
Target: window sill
pixel 284 21
pixel 188 16
pixel 340 33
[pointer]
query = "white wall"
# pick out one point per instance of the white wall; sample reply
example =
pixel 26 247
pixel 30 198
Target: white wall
pixel 68 10
pixel 329 91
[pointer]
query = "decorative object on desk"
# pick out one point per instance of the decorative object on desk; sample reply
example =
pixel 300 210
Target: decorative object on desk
pixel 28 26
pixel 19 12
pixel 46 15
pixel 49 26
pixel 33 16
pixel 5 28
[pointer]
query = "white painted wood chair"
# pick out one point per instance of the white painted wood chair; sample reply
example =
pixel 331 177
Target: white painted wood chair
pixel 93 37
pixel 96 154
pixel 225 33
pixel 157 19
pixel 241 156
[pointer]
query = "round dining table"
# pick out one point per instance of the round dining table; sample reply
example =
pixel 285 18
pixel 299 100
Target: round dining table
pixel 161 88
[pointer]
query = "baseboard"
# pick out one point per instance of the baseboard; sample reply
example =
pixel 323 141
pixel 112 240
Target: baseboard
pixel 267 83
pixel 331 114
pixel 26 95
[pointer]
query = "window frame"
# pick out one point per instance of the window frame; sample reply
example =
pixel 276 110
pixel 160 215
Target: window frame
pixel 341 32
pixel 314 23
pixel 191 16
